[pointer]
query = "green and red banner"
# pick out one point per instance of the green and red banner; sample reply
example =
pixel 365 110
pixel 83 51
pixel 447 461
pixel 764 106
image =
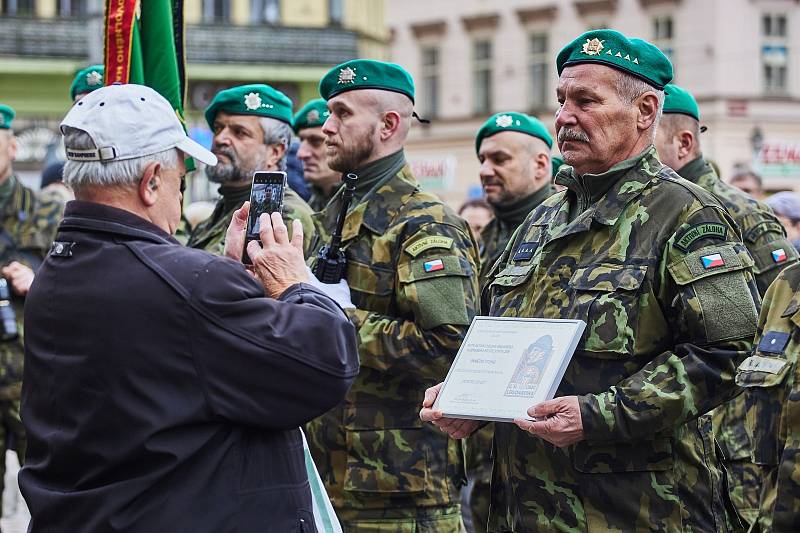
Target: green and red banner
pixel 144 44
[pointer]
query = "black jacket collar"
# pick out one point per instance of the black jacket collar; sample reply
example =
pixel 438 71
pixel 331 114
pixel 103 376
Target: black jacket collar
pixel 91 216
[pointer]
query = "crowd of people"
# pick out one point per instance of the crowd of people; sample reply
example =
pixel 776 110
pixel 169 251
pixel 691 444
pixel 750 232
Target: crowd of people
pixel 164 384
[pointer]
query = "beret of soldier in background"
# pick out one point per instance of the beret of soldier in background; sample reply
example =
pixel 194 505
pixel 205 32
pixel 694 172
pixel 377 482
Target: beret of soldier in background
pixel 169 338
pixel 556 161
pixel 6 117
pixel 87 80
pixel 256 99
pixel 513 121
pixel 311 115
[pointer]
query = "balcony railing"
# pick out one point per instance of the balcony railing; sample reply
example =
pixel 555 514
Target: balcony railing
pixel 219 43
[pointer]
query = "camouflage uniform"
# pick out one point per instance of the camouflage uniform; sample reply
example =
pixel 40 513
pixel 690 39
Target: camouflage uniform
pixel 494 239
pixel 29 225
pixel 771 378
pixel 412 270
pixel 209 235
pixel 655 268
pixel 762 234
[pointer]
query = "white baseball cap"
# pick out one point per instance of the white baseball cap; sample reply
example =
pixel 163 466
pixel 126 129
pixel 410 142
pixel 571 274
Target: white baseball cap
pixel 127 121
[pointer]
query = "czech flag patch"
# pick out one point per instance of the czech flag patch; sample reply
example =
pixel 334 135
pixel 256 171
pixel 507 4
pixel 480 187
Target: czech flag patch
pixel 712 261
pixel 433 266
pixel 779 255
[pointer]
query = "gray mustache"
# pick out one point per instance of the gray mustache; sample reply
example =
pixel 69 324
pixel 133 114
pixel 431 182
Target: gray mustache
pixel 571 135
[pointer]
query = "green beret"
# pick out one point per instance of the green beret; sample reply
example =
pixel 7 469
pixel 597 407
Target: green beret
pixel 257 99
pixel 87 80
pixel 608 47
pixel 556 161
pixel 512 121
pixel 678 100
pixel 311 115
pixel 366 74
pixel 6 117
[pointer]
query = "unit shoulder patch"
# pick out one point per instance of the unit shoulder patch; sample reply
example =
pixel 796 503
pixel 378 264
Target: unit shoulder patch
pixel 704 230
pixel 427 243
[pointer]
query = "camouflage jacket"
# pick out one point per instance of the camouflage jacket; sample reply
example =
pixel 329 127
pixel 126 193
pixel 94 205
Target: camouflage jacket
pixel 29 225
pixel 771 378
pixel 765 239
pixel 412 269
pixel 763 234
pixel 654 266
pixel 209 235
pixel 495 235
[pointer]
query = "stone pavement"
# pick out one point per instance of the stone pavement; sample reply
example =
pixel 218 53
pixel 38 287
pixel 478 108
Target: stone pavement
pixel 15 512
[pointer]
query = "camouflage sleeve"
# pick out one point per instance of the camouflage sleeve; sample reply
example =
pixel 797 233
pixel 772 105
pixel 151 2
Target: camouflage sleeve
pixel 706 290
pixel 436 288
pixel 766 241
pixel 770 388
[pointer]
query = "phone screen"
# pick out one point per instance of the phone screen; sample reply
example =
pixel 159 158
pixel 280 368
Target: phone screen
pixel 266 196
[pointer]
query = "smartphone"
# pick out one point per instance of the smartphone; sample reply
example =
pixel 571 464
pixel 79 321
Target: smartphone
pixel 266 196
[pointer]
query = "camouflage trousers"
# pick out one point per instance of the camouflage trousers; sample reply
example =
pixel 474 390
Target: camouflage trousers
pixel 398 520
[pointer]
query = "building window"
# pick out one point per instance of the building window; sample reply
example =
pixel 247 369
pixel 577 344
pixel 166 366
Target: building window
pixel 268 11
pixel 430 81
pixel 663 35
pixel 72 8
pixel 481 76
pixel 538 60
pixel 19 7
pixel 336 12
pixel 216 11
pixel 774 53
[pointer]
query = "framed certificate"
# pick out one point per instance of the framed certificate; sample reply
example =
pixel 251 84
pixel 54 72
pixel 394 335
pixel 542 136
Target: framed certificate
pixel 506 365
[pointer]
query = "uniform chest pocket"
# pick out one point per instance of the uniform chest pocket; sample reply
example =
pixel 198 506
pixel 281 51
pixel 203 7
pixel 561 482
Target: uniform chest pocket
pixel 508 288
pixel 371 286
pixel 606 297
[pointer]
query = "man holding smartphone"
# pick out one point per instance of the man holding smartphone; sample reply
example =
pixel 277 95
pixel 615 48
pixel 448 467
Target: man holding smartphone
pixel 163 385
pixel 412 268
pixel 252 127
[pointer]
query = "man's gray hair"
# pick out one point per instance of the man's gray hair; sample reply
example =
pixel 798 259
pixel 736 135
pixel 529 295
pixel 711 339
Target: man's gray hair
pixel 629 88
pixel 125 173
pixel 277 132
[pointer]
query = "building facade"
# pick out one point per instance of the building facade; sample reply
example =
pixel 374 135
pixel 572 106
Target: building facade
pixel 289 44
pixel 472 58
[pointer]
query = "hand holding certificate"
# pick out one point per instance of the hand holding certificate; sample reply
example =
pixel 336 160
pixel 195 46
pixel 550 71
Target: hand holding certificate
pixel 507 365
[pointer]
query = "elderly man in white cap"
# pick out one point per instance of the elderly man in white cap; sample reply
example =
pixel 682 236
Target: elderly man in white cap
pixel 161 382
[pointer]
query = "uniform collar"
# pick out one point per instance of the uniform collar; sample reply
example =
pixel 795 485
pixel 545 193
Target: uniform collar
pixel 695 169
pixel 377 209
pixel 515 213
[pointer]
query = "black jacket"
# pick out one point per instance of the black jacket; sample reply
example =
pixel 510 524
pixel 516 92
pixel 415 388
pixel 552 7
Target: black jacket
pixel 162 390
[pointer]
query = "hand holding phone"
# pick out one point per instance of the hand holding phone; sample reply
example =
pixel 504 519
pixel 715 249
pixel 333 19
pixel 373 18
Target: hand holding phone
pixel 266 196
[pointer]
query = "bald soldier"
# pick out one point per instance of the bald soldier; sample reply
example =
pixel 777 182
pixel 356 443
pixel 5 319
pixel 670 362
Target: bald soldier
pixel 323 179
pixel 679 147
pixel 412 270
pixel 669 314
pixel 252 127
pixel 514 152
